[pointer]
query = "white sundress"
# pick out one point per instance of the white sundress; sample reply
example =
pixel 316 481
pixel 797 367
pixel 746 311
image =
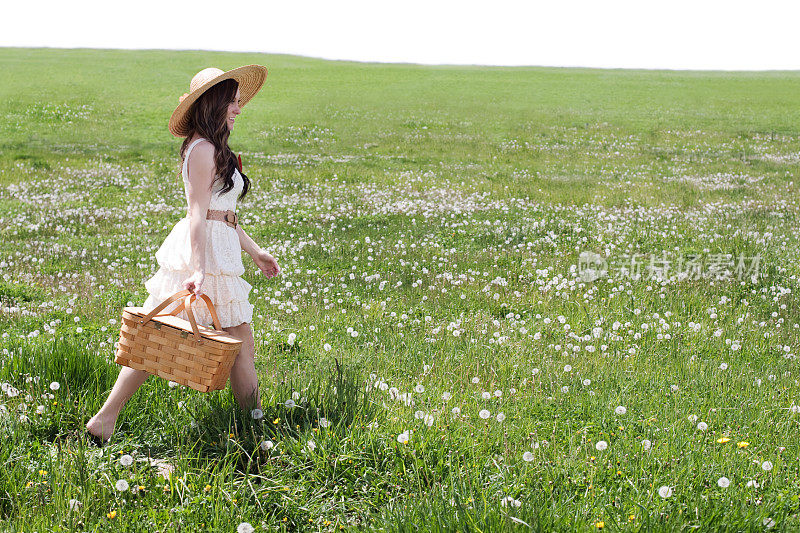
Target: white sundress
pixel 223 283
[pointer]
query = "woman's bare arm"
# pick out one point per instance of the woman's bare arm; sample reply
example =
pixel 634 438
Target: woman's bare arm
pixel 201 176
pixel 246 242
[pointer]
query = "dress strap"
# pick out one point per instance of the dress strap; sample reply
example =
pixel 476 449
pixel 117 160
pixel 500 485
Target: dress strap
pixel 185 170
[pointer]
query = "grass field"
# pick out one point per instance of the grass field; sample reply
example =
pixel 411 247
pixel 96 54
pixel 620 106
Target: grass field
pixel 511 299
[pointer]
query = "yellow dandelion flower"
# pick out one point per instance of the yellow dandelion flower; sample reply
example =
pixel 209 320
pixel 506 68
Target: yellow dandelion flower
pixel 631 518
pixel 600 525
pixel 723 440
pixel 112 514
pixel 42 472
pixel 207 488
pixel 230 435
pixel 742 444
pixel 276 420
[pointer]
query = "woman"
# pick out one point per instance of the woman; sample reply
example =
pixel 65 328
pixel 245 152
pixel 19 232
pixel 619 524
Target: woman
pixel 202 253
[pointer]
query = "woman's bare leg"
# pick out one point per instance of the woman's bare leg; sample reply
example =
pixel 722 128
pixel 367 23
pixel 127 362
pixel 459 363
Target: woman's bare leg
pixel 244 380
pixel 128 382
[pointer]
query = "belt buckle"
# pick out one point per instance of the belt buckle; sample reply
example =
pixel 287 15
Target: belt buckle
pixel 228 221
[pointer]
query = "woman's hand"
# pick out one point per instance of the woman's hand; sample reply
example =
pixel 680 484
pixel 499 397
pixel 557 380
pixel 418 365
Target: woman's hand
pixel 269 267
pixel 194 282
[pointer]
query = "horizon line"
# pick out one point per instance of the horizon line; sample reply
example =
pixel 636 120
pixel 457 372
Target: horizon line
pixel 410 63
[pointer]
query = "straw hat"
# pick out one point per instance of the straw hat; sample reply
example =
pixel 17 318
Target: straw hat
pixel 250 78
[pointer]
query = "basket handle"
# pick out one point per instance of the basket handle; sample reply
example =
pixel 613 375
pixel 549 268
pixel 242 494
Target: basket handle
pixel 187 305
pixel 164 304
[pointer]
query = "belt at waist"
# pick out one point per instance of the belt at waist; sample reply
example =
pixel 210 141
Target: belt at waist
pixel 229 217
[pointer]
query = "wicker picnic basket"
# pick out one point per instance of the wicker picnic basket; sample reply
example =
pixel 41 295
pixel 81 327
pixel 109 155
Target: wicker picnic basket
pixel 175 349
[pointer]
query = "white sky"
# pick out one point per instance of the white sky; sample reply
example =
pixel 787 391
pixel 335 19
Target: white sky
pixel 678 34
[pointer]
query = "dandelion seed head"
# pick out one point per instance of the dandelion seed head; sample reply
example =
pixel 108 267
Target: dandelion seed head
pixel 527 457
pixel 245 527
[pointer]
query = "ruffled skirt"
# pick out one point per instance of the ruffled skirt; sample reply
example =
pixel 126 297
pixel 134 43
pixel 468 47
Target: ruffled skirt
pixel 223 283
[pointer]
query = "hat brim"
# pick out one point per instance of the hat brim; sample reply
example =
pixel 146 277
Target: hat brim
pixel 251 79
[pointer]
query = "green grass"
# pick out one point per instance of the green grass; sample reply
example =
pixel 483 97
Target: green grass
pixel 429 222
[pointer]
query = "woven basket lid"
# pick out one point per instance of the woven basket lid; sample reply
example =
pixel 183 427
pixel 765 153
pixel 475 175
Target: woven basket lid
pixel 250 77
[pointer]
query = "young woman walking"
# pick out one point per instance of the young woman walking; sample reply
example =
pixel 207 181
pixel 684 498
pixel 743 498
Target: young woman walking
pixel 202 253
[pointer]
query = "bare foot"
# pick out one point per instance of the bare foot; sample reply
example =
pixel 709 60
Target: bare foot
pixel 100 427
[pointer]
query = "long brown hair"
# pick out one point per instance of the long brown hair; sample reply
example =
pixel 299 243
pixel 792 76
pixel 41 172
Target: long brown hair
pixel 208 117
